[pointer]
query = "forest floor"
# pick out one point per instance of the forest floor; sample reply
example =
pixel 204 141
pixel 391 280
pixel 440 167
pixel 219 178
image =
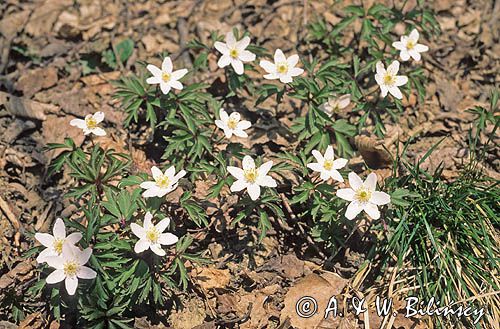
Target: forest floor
pixel 53 68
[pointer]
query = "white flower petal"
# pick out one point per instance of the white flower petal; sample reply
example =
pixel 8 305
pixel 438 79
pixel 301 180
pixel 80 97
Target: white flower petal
pixel 85 272
pixel 98 131
pixel 242 44
pixel 315 166
pixel 230 40
pixel 46 253
pixel 151 192
pixel 384 90
pixel 236 172
pixel 73 238
pixel 325 175
pixel 239 133
pixel 179 74
pixel 224 61
pixel 167 239
pixel 45 239
pixel 156 248
pixel 401 80
pixel 221 47
pixel 344 101
pixel 156 172
pixel 279 57
pixel 394 91
pixel 244 124
pixel 176 84
pixel 414 35
pixel 165 87
pixel 55 262
pixel 380 198
pixel 354 181
pixel 79 123
pixel 166 65
pixel 329 153
pixel 268 66
pixel 292 60
pixel 353 209
pixel 55 277
pixel 372 210
pixel 393 68
pixel 141 245
pixel 248 162
pixel 83 256
pixel 415 55
pixel 238 185
pixel 404 55
pixel 266 181
pixel 336 176
pixel 285 78
pixel 153 80
pixel 295 71
pixel 147 185
pixel 339 163
pixel 138 230
pixel 71 284
pixel 98 116
pixel 163 224
pixel 371 181
pixel 246 56
pixel 264 168
pixel 421 48
pixel 237 66
pixel 155 71
pixel 148 220
pixel 318 156
pixel 254 191
pixel 223 115
pixel 346 194
pixel 59 229
pixel 380 68
pixel 398 45
pixel 271 76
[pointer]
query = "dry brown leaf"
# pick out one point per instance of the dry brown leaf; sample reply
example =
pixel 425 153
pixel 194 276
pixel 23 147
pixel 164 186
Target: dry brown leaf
pixel 35 80
pixel 11 24
pixel 312 286
pixel 43 18
pixel 26 108
pixel 259 314
pixel 191 314
pixel 52 132
pixel 211 278
pixel 372 152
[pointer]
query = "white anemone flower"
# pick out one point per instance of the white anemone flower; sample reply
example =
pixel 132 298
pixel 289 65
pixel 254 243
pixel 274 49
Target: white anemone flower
pixel 388 80
pixel 232 124
pixel 363 196
pixel 335 105
pixel 163 182
pixel 327 166
pixel 54 243
pixel 152 236
pixel 70 267
pixel 283 68
pixel 89 124
pixel 166 77
pixel 251 178
pixel 234 52
pixel 409 46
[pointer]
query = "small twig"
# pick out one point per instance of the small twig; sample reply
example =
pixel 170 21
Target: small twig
pixel 10 216
pixel 239 319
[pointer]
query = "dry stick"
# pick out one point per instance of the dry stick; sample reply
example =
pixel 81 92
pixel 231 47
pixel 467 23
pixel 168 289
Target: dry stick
pixel 10 216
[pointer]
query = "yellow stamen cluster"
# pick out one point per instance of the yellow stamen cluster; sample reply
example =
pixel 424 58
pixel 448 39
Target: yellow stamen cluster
pixel 410 45
pixel 282 68
pixel 389 79
pixel 70 268
pixel 58 245
pixel 162 181
pixel 233 53
pixel 152 234
pixel 328 164
pixel 232 123
pixel 90 122
pixel 250 175
pixel 363 195
pixel 166 77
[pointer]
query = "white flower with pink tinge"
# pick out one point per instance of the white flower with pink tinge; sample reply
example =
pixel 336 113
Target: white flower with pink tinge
pixel 163 182
pixel 409 46
pixel 326 165
pixel 363 196
pixel 234 53
pixel 70 267
pixel 251 178
pixel 89 124
pixel 54 243
pixel 335 105
pixel 283 68
pixel 388 80
pixel 166 77
pixel 151 236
